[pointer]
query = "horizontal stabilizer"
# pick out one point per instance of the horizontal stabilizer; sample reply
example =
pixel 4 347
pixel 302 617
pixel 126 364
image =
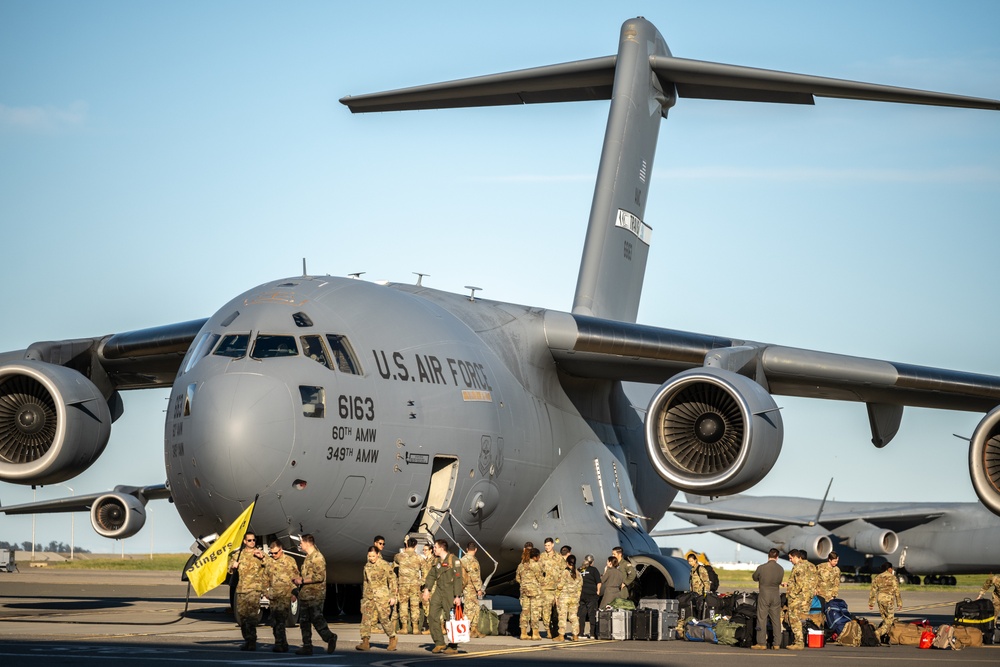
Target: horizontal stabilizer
pixel 717 81
pixel 567 82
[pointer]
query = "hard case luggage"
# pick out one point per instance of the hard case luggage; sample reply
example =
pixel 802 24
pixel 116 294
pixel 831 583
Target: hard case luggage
pixel 646 624
pixel 614 624
pixel 976 614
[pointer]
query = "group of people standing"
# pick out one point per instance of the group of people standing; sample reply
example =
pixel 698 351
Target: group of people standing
pixel 426 587
pixel 276 575
pixel 550 580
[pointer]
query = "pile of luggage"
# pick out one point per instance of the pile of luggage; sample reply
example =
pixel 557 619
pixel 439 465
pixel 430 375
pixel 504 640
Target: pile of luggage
pixel 732 620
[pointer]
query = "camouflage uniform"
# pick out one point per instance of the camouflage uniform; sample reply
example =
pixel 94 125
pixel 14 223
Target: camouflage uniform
pixel 885 591
pixel 252 584
pixel 828 576
pixel 426 564
pixel 445 580
pixel 409 564
pixel 379 588
pixel 280 572
pixel 529 576
pixel 311 599
pixel 552 565
pixel 470 596
pixel 700 583
pixel 801 589
pixel 993 582
pixel 568 602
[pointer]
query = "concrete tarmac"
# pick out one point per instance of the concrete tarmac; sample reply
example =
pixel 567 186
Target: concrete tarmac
pixel 77 617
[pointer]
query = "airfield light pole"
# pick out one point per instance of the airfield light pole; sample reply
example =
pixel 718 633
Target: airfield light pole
pixel 72 525
pixel 32 527
pixel 152 521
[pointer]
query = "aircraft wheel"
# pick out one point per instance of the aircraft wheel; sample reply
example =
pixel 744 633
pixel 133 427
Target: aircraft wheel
pixel 915 580
pixel 902 578
pixel 844 579
pixel 952 581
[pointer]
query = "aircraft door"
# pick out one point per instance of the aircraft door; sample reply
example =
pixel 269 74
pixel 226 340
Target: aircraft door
pixel 444 475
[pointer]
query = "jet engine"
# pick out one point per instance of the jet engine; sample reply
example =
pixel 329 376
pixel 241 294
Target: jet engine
pixel 710 431
pixel 876 541
pixel 984 460
pixel 117 515
pixel 816 546
pixel 54 423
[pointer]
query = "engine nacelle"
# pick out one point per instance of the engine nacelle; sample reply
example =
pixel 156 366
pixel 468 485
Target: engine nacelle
pixel 876 541
pixel 710 431
pixel 984 460
pixel 117 515
pixel 54 423
pixel 816 546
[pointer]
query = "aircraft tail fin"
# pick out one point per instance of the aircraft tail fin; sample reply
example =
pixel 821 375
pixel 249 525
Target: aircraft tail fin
pixel 642 81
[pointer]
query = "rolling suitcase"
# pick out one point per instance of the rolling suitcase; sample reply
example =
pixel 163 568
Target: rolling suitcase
pixel 977 614
pixel 614 624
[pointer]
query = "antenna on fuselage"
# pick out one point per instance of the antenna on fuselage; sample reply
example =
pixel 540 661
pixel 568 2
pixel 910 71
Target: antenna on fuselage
pixel 304 272
pixel 355 276
pixel 472 292
pixel 420 277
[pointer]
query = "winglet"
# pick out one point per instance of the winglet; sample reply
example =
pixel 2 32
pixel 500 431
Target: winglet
pixel 823 502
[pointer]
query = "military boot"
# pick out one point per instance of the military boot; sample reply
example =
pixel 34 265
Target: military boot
pixel 525 636
pixel 558 638
pixel 363 646
pixel 405 630
pixel 392 644
pixel 304 650
pixel 536 636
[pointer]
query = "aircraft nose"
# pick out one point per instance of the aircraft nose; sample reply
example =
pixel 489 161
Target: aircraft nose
pixel 243 431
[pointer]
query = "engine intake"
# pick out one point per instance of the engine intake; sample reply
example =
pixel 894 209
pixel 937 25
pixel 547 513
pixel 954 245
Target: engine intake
pixel 984 460
pixel 877 542
pixel 710 431
pixel 54 423
pixel 117 515
pixel 816 546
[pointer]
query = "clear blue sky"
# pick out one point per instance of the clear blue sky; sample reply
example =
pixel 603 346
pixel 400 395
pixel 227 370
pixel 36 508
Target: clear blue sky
pixel 156 159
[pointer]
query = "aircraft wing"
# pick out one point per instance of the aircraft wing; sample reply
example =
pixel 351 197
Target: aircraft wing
pixel 737 515
pixel 718 527
pixel 586 346
pixel 83 503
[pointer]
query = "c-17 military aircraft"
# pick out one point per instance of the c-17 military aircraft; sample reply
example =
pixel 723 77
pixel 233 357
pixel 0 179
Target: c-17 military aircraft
pixel 933 540
pixel 353 407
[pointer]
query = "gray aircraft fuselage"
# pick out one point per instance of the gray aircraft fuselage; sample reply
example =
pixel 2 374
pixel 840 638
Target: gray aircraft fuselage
pixel 453 404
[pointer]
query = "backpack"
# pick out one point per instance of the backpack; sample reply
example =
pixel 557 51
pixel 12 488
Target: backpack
pixel 746 629
pixel 622 603
pixel 713 578
pixel 836 615
pixel 868 636
pixel 945 638
pixel 850 635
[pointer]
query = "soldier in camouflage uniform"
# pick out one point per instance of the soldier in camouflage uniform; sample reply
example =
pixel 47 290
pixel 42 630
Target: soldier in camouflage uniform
pixel 425 605
pixel 568 601
pixel 828 575
pixel 379 593
pixel 801 589
pixel 445 579
pixel 700 585
pixel 473 588
pixel 529 576
pixel 281 571
pixel 408 566
pixel 552 566
pixel 248 561
pixel 993 581
pixel 312 595
pixel 885 591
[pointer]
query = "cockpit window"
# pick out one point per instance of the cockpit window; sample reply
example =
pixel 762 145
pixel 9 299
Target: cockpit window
pixel 233 345
pixel 270 345
pixel 343 356
pixel 312 347
pixel 201 349
pixel 302 320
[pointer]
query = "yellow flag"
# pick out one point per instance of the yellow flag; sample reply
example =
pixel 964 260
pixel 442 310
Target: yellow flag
pixel 209 570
